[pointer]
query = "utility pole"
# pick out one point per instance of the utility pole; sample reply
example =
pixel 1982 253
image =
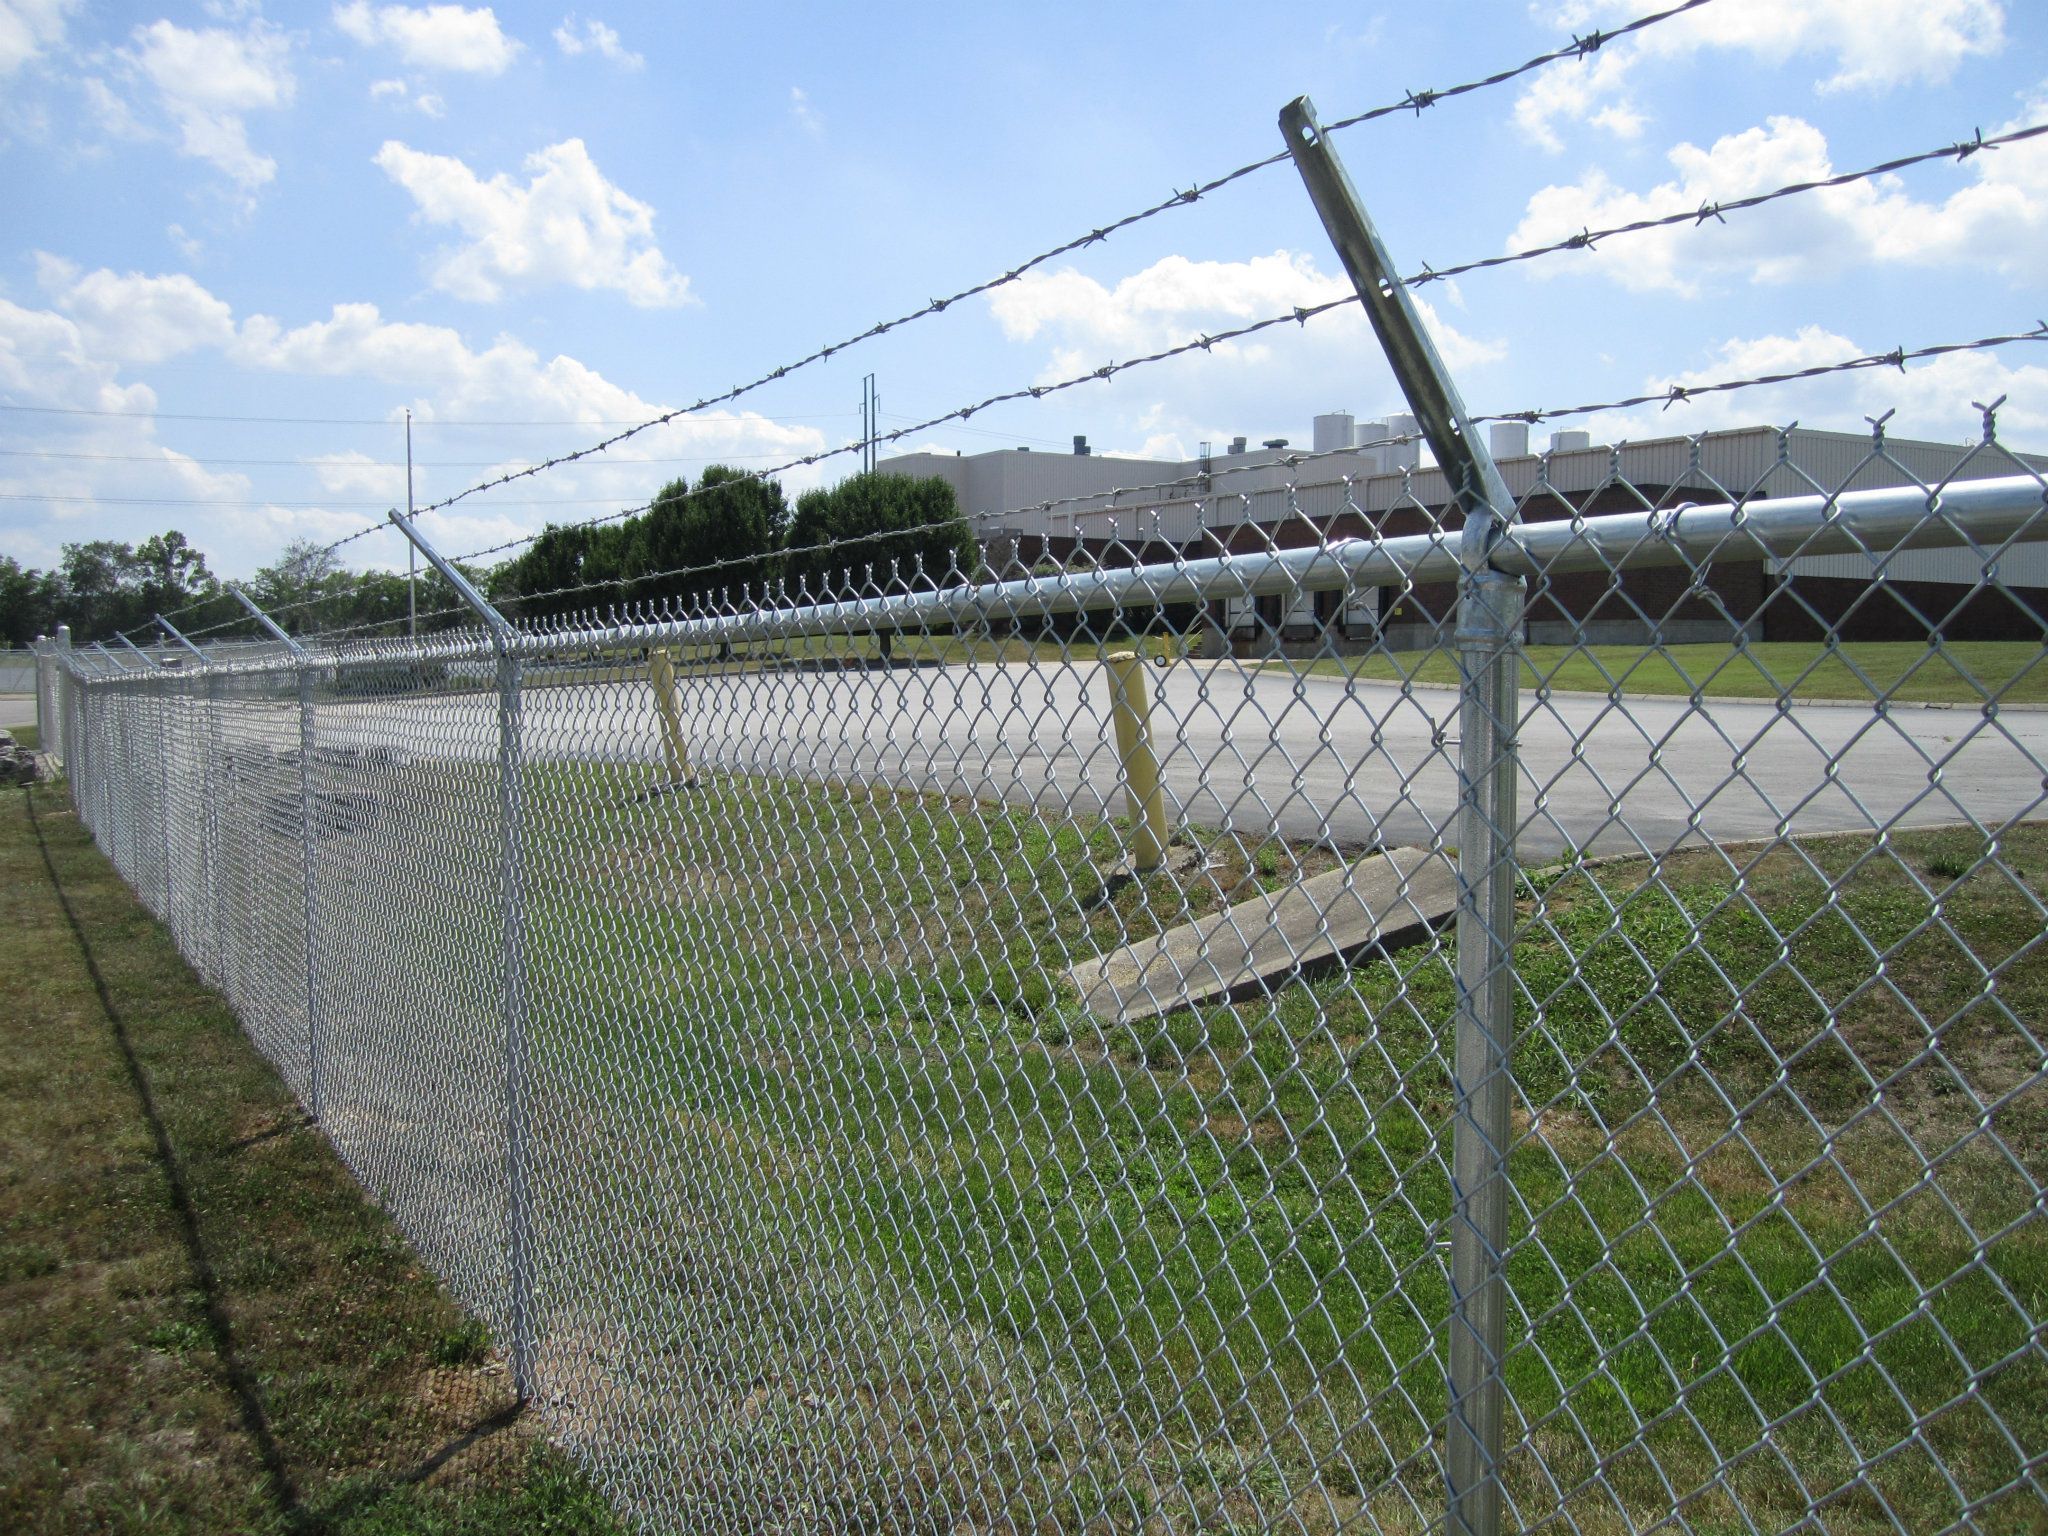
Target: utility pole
pixel 412 554
pixel 870 423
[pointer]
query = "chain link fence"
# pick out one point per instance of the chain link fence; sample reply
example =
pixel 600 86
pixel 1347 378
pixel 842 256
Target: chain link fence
pixel 1279 1032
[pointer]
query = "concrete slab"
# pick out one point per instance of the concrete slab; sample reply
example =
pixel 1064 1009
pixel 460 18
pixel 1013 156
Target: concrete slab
pixel 1382 901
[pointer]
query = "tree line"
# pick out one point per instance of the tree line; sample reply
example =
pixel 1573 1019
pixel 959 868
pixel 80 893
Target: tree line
pixel 733 538
pixel 103 588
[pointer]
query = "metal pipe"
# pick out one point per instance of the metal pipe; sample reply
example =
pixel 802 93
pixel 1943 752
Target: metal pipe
pixel 1984 513
pixel 1489 706
pixel 1979 513
pixel 1474 479
pixel 495 621
pixel 511 774
pixel 309 833
pixel 168 628
pixel 309 837
pixel 266 621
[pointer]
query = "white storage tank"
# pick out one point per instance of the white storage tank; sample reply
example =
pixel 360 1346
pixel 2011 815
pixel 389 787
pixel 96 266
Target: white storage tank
pixel 1508 439
pixel 1333 431
pixel 1406 455
pixel 1372 432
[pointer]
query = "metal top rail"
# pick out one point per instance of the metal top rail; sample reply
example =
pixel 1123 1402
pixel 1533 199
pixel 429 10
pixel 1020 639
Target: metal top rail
pixel 1983 514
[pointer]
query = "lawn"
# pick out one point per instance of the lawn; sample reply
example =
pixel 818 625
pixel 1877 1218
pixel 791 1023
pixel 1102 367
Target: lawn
pixel 1754 1185
pixel 1966 672
pixel 204 1325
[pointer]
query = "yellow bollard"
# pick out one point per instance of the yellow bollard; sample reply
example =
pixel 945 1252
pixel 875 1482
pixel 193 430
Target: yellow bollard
pixel 661 668
pixel 1130 707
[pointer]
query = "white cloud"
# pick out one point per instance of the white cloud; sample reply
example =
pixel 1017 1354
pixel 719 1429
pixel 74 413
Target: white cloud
pixel 806 115
pixel 1864 45
pixel 206 81
pixel 450 37
pixel 1266 384
pixel 101 323
pixel 1933 398
pixel 1999 219
pixel 28 29
pixel 595 37
pixel 189 246
pixel 566 224
pixel 135 319
pixel 115 117
pixel 356 475
pixel 1176 300
pixel 427 103
pixel 47 359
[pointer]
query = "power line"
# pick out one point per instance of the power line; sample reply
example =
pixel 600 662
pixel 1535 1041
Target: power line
pixel 361 421
pixel 257 506
pixel 157 458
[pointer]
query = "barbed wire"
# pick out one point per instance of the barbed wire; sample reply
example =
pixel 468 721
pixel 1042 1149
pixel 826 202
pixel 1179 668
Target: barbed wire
pixel 961 413
pixel 1585 240
pixel 1679 394
pixel 1412 101
pixel 1672 395
pixel 1301 315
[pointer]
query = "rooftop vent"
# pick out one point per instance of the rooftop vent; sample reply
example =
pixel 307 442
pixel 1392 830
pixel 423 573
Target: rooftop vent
pixel 1274 442
pixel 1237 445
pixel 1081 445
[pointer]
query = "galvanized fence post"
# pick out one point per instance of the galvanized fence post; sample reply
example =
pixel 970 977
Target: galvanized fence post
pixel 1489 659
pixel 308 838
pixel 511 760
pixel 65 707
pixel 1488 636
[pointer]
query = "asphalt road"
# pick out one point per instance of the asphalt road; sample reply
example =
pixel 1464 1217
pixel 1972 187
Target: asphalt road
pixel 1254 748
pixel 17 709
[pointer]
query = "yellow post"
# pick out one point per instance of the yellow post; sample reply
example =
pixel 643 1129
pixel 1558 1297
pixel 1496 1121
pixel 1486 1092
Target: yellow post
pixel 662 669
pixel 1130 707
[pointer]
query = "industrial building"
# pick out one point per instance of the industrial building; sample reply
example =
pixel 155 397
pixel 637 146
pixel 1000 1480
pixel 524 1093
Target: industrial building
pixel 1373 479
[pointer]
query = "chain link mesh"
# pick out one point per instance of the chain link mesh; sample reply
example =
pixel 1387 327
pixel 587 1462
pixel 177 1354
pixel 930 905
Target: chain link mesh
pixel 845 1118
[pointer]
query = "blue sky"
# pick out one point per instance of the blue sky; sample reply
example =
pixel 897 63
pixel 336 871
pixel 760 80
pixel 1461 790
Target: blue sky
pixel 522 222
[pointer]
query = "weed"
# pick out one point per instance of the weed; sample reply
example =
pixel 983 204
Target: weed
pixel 464 1344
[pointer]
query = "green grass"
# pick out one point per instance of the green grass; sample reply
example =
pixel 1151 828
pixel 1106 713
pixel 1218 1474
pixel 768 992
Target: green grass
pixel 204 1325
pixel 1957 672
pixel 842 1194
pixel 839 1016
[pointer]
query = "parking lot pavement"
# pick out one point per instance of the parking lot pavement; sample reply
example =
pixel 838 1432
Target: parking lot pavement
pixel 1253 748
